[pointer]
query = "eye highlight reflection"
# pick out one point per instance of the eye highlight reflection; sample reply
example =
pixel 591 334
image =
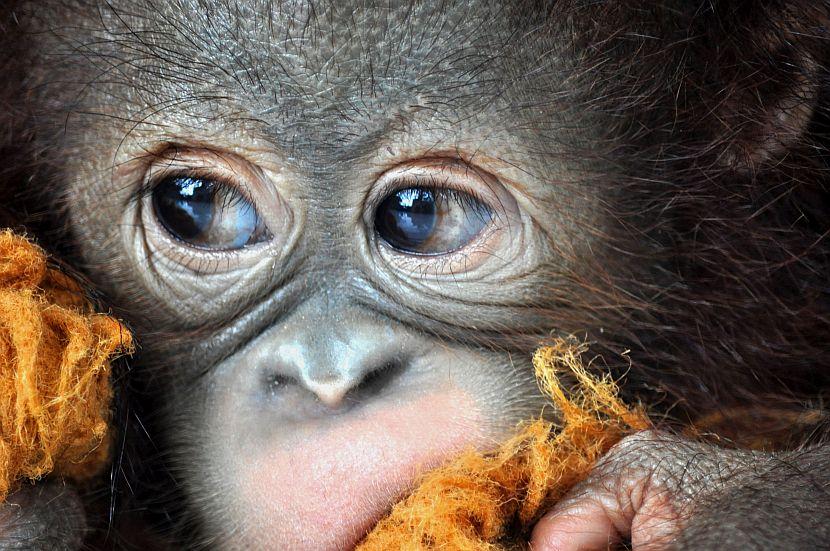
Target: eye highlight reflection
pixel 430 221
pixel 439 217
pixel 207 214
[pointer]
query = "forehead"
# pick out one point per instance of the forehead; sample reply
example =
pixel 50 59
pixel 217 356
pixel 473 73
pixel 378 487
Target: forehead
pixel 325 49
pixel 352 69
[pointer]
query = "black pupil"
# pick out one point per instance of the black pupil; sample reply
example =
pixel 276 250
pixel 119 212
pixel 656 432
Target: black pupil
pixel 406 219
pixel 185 206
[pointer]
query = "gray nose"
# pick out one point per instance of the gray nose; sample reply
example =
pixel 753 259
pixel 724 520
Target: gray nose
pixel 331 357
pixel 331 367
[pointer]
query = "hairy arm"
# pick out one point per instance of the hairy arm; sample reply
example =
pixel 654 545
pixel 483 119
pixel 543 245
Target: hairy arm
pixel 659 491
pixel 47 516
pixel 783 503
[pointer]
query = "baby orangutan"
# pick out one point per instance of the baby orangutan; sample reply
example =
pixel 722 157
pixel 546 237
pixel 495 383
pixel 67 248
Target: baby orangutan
pixel 339 230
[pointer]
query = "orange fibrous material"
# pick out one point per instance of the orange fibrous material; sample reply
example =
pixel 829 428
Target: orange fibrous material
pixel 489 501
pixel 55 390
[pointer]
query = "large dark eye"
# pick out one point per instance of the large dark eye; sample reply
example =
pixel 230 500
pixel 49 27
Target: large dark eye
pixel 423 220
pixel 207 214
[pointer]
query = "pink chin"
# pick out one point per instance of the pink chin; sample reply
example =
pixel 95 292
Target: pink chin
pixel 326 488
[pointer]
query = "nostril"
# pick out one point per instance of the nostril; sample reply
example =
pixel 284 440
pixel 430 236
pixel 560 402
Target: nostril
pixel 341 391
pixel 274 383
pixel 348 381
pixel 378 380
pixel 337 392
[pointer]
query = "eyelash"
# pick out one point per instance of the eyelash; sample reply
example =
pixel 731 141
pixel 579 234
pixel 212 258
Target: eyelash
pixel 462 195
pixel 224 184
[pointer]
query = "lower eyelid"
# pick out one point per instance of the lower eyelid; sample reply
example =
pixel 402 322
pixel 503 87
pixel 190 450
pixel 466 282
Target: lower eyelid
pixel 484 234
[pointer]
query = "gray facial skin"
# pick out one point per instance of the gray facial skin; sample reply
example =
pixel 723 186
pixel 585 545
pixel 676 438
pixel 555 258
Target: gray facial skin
pixel 298 366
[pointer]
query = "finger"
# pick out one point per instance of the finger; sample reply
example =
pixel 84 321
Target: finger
pixel 580 525
pixel 607 510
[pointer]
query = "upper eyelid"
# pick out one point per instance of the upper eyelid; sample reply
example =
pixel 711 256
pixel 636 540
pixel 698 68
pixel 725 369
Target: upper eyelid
pixel 407 181
pixel 151 182
pixel 182 160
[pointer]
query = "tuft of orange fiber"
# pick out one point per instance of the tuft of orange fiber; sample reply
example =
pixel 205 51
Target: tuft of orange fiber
pixel 55 391
pixel 490 501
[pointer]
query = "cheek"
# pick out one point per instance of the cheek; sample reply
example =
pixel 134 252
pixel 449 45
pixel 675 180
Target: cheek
pixel 325 487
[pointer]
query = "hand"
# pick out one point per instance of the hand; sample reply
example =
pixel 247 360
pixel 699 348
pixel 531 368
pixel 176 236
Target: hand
pixel 659 491
pixel 46 516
